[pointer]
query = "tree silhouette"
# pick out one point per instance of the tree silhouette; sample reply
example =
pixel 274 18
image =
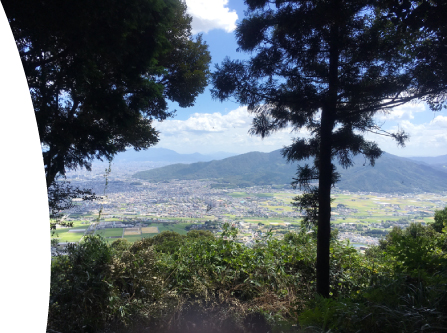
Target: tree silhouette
pixel 100 72
pixel 328 67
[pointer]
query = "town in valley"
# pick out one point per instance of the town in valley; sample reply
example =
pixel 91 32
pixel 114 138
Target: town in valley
pixel 132 209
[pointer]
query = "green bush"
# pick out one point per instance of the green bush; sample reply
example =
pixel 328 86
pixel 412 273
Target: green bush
pixel 440 220
pixel 166 241
pixel 170 280
pixel 96 285
pixel 401 286
pixel 80 287
pixel 199 234
pixel 417 250
pixel 394 305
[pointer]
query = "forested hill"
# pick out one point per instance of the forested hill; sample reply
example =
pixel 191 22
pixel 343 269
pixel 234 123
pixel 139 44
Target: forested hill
pixel 390 173
pixel 166 155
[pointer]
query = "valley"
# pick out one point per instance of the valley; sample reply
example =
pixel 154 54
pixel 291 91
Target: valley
pixel 134 209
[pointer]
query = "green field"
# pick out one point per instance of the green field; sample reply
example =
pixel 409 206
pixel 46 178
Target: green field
pixel 110 232
pixel 63 235
pixel 247 195
pixel 374 209
pixel 358 209
pixel 363 209
pixel 180 227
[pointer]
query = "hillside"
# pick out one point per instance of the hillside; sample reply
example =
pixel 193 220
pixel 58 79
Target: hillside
pixel 390 174
pixel 437 162
pixel 393 174
pixel 167 156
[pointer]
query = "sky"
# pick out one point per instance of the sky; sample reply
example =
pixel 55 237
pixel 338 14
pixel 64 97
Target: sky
pixel 210 126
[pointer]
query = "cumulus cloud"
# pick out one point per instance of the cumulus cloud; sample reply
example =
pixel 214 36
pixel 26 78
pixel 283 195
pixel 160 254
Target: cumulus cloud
pixel 426 139
pixel 218 131
pixel 403 112
pixel 439 121
pixel 211 132
pixel 211 14
pixel 208 122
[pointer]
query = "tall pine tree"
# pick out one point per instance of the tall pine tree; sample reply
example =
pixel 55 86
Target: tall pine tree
pixel 327 66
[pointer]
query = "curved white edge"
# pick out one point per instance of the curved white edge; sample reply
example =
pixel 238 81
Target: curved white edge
pixel 25 239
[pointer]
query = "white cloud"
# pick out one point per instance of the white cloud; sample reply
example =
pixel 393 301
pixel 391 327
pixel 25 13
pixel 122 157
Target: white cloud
pixel 426 139
pixel 403 112
pixel 212 132
pixel 439 121
pixel 208 122
pixel 211 14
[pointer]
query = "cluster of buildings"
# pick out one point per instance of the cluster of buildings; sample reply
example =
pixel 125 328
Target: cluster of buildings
pixel 134 203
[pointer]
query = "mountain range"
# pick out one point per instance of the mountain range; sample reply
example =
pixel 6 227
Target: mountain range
pixel 166 156
pixel 390 173
pixel 437 162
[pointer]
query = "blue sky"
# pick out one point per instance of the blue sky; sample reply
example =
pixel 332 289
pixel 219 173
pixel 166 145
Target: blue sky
pixel 212 126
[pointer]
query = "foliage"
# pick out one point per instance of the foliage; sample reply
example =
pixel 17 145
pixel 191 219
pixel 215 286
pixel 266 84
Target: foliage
pixel 417 251
pixel 99 73
pixel 327 67
pixel 60 195
pixel 218 284
pixel 80 287
pixel 95 285
pixel 169 242
pixel 196 234
pixel 422 24
pixel 440 220
pixel 164 280
pixel 407 290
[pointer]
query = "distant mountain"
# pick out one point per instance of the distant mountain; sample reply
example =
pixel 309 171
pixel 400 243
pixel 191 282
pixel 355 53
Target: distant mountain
pixel 437 162
pixel 390 174
pixel 167 156
pixel 430 159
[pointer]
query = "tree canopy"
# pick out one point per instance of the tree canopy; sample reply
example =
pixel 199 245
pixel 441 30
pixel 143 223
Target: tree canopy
pixel 327 67
pixel 99 73
pixel 440 220
pixel 423 27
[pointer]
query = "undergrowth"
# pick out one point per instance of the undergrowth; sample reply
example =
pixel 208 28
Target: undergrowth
pixel 199 283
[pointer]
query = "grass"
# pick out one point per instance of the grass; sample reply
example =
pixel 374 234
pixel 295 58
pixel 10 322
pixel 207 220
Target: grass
pixel 238 194
pixel 150 230
pixel 180 227
pixel 63 235
pixel 110 232
pixel 133 238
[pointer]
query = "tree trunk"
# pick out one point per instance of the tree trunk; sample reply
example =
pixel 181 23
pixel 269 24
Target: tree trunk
pixel 325 167
pixel 324 204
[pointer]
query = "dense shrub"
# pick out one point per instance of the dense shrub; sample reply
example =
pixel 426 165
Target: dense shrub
pixel 80 287
pixel 175 283
pixel 440 220
pixel 96 285
pixel 407 289
pixel 417 250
